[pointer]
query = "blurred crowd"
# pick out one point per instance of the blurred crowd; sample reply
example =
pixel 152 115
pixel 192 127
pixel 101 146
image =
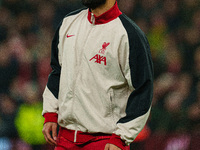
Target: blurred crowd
pixel 173 30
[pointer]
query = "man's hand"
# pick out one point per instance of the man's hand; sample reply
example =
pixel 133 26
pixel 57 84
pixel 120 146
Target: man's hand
pixel 111 147
pixel 47 129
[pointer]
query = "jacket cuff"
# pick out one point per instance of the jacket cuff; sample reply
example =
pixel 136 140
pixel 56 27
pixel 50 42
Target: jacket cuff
pixel 50 117
pixel 117 141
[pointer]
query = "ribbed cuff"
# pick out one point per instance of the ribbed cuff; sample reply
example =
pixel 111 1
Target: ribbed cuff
pixel 117 141
pixel 50 117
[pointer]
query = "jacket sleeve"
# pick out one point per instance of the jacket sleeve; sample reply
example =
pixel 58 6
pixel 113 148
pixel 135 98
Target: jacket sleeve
pixel 50 95
pixel 138 71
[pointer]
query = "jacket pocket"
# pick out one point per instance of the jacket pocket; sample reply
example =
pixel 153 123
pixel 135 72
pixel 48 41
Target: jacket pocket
pixel 118 103
pixel 112 108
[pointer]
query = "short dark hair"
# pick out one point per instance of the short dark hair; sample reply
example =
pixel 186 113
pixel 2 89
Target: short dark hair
pixel 3 34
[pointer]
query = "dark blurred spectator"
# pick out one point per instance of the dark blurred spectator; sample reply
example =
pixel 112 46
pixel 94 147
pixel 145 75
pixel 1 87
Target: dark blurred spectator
pixel 3 34
pixel 145 8
pixel 173 59
pixel 15 6
pixel 128 7
pixel 8 64
pixel 6 17
pixel 8 109
pixel 196 67
pixel 171 9
pixel 193 113
pixel 191 42
pixel 157 36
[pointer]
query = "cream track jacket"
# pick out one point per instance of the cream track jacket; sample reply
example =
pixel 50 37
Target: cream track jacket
pixel 102 78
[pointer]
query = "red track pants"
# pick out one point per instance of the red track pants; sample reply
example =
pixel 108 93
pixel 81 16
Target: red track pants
pixel 84 142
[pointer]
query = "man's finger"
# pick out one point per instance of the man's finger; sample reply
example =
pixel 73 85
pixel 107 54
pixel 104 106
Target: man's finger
pixel 48 127
pixel 54 131
pixel 50 139
pixel 47 140
pixel 45 137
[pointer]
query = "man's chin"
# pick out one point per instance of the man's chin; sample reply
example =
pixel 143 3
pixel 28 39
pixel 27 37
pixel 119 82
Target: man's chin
pixel 93 4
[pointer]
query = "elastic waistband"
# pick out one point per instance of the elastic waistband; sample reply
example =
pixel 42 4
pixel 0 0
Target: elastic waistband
pixel 80 137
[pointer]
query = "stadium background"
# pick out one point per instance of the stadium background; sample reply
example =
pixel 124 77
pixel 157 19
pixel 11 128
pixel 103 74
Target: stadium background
pixel 173 30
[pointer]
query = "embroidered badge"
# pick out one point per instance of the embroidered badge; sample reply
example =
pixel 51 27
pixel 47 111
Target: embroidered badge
pixel 98 58
pixel 104 46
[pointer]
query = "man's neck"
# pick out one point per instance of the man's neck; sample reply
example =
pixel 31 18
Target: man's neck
pixel 103 8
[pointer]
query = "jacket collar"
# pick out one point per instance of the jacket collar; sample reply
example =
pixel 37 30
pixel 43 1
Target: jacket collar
pixel 106 17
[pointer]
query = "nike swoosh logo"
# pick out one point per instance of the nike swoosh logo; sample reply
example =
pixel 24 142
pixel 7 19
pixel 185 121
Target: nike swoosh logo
pixel 69 35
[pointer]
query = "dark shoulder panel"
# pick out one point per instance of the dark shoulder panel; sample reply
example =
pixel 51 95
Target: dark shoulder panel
pixel 54 77
pixel 138 44
pixel 141 69
pixel 135 34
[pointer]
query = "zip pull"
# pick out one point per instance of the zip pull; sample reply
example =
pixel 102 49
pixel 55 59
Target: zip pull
pixel 92 18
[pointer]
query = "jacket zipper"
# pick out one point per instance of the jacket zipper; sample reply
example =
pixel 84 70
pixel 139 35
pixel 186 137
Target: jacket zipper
pixel 92 18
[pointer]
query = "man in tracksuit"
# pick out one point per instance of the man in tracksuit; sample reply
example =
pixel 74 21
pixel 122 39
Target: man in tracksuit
pixel 100 89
